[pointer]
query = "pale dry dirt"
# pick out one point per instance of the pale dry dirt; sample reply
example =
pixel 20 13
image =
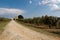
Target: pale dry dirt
pixel 15 31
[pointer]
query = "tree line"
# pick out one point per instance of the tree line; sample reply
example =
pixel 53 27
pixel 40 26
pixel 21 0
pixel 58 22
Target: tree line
pixel 50 21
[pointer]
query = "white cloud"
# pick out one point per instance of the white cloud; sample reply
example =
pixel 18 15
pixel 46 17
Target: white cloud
pixel 30 1
pixel 10 10
pixel 53 4
pixel 55 1
pixel 50 1
pixel 54 7
pixel 44 2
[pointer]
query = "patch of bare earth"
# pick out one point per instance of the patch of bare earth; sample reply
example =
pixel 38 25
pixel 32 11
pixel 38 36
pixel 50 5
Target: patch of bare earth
pixel 15 31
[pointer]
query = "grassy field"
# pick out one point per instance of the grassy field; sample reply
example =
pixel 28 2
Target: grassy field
pixel 2 25
pixel 54 32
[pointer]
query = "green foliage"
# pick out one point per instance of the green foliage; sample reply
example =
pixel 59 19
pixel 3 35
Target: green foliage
pixel 44 20
pixel 20 17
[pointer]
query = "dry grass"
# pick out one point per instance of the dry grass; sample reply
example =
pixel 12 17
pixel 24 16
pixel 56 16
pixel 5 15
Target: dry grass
pixel 2 25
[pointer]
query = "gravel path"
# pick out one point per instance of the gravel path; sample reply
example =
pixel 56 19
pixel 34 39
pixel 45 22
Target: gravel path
pixel 15 31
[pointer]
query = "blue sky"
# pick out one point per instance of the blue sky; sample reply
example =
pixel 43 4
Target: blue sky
pixel 29 8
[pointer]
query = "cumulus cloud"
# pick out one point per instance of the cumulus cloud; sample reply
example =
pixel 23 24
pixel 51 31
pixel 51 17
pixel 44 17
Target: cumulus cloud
pixel 53 4
pixel 10 11
pixel 30 1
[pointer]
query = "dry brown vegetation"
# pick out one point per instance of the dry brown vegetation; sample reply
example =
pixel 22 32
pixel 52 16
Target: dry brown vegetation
pixel 3 22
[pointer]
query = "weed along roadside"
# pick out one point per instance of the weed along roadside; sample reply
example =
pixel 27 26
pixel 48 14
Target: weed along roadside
pixel 3 23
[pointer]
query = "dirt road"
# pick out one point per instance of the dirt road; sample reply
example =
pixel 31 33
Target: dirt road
pixel 15 31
